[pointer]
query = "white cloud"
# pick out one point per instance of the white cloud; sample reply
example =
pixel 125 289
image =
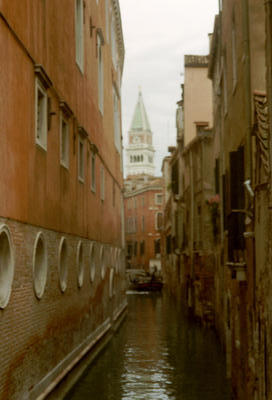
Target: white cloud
pixel 157 34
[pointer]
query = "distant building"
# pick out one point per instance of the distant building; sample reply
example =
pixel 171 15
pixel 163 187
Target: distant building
pixel 62 283
pixel 143 196
pixel 143 219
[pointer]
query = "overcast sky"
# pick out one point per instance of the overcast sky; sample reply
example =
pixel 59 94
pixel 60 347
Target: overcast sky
pixel 157 34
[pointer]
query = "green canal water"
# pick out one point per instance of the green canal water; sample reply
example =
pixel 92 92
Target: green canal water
pixel 156 354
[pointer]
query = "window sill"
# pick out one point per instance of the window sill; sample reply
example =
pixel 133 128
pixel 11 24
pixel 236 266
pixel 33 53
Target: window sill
pixel 80 67
pixel 65 166
pixel 81 180
pixel 41 145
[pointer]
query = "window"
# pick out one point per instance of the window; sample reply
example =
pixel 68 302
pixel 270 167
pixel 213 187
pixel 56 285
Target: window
pixel 80 264
pixel 157 246
pixel 100 42
pixel 64 142
pixel 143 201
pixel 93 184
pixel 129 249
pixel 143 223
pixel 135 203
pixel 93 250
pixel 63 264
pixel 41 115
pixel 79 34
pixel 102 184
pixel 158 221
pixel 135 248
pixel 102 261
pixel 6 265
pixel 142 248
pixel 39 265
pixel 135 224
pixel 80 160
pixel 117 130
pixel 158 198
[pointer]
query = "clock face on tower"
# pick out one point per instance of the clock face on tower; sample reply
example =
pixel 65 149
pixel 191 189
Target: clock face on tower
pixel 136 139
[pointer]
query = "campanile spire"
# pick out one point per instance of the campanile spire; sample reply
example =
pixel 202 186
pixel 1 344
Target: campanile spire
pixel 140 151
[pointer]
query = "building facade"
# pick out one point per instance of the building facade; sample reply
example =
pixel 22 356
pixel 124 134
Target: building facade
pixel 62 280
pixel 143 211
pixel 234 187
pixel 187 235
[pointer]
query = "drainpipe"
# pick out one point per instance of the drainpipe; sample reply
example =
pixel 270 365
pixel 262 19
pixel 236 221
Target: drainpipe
pixel 247 86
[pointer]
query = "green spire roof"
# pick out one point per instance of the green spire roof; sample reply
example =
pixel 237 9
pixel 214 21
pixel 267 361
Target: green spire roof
pixel 140 121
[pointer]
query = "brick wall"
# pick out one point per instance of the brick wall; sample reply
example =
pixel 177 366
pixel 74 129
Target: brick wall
pixel 38 334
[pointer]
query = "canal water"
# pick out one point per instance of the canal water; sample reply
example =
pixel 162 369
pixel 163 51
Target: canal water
pixel 156 354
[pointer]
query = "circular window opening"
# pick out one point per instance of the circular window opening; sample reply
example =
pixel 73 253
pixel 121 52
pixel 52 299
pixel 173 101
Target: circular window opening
pixel 111 286
pixel 80 265
pixel 39 265
pixel 92 261
pixel 102 261
pixel 63 264
pixel 6 265
pixel 113 258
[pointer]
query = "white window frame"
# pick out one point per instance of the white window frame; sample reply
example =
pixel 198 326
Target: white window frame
pixel 7 263
pixel 93 177
pixel 63 262
pixel 80 160
pixel 40 132
pixel 100 73
pixel 64 160
pixel 40 265
pixel 79 34
pixel 80 264
pixel 102 183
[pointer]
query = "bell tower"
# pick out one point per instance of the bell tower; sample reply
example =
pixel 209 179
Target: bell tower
pixel 140 152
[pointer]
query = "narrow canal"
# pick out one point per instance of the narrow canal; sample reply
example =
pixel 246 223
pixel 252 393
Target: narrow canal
pixel 156 354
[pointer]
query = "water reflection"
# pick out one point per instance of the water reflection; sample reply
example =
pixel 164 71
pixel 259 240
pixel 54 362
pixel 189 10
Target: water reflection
pixel 157 354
